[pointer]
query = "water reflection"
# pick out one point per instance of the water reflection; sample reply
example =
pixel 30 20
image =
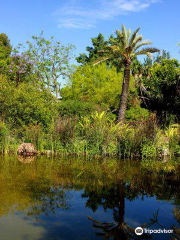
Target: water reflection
pixel 175 228
pixel 118 229
pixel 58 195
pixel 26 159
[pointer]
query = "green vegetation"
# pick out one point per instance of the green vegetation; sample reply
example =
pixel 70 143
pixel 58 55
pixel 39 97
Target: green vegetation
pixel 84 115
pixel 124 48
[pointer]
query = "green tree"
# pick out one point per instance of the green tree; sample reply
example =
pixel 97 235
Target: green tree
pixel 125 47
pixel 20 69
pixel 98 85
pixel 163 91
pixel 98 44
pixel 5 47
pixel 51 61
pixel 25 104
pixel 5 51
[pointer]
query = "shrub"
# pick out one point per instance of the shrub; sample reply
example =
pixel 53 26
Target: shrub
pixel 173 133
pixel 137 114
pixel 26 104
pixel 100 132
pixel 75 108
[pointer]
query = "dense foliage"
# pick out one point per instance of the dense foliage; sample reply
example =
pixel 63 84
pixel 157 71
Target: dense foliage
pixel 79 116
pixel 163 89
pixel 98 85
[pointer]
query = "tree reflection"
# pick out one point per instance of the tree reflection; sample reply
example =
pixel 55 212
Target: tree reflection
pixel 117 230
pixel 42 187
pixel 175 228
pixel 142 183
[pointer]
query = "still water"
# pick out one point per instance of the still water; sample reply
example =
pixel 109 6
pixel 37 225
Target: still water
pixel 74 199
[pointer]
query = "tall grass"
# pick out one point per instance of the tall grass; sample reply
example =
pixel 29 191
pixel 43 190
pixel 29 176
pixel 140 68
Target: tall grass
pixel 98 135
pixel 4 138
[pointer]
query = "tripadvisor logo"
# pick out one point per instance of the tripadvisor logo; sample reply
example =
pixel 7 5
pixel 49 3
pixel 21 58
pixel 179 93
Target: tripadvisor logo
pixel 140 231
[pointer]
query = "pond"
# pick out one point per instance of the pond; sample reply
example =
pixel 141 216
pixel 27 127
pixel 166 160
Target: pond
pixel 76 199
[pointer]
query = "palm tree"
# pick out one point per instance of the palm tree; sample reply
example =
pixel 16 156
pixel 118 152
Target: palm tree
pixel 125 47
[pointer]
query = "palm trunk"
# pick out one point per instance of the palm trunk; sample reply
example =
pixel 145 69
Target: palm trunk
pixel 124 95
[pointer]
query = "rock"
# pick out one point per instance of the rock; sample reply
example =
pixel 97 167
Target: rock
pixel 48 152
pixel 27 149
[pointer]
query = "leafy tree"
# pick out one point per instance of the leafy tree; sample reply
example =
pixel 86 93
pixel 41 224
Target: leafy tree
pixel 5 51
pixel 161 56
pixel 98 44
pixel 25 105
pixel 97 85
pixel 20 69
pixel 51 61
pixel 125 47
pixel 157 59
pixel 163 89
pixel 142 69
pixel 5 47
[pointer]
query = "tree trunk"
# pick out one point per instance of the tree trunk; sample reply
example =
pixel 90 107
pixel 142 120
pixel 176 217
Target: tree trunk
pixel 56 89
pixel 124 94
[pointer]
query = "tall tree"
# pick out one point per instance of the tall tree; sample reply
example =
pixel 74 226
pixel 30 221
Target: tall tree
pixel 51 61
pixel 5 47
pixel 125 47
pixel 98 44
pixel 5 51
pixel 163 90
pixel 20 69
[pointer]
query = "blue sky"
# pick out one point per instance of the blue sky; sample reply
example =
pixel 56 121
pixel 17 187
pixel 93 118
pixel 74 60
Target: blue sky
pixel 76 21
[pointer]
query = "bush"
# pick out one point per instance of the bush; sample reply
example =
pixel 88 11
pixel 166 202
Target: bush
pixel 75 108
pixel 26 105
pixel 173 134
pixel 137 114
pixel 100 132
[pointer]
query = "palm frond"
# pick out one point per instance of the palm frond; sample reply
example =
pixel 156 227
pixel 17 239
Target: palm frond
pixel 128 33
pixel 143 43
pixel 102 59
pixel 146 51
pixel 104 51
pixel 125 46
pixel 112 40
pixel 133 36
pixel 121 38
pixel 149 55
pixel 136 41
pixel 112 48
pixel 124 33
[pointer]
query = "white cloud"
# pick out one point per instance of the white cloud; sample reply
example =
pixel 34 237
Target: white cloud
pixel 75 23
pixel 83 15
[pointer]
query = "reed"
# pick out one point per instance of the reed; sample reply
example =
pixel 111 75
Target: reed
pixel 96 135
